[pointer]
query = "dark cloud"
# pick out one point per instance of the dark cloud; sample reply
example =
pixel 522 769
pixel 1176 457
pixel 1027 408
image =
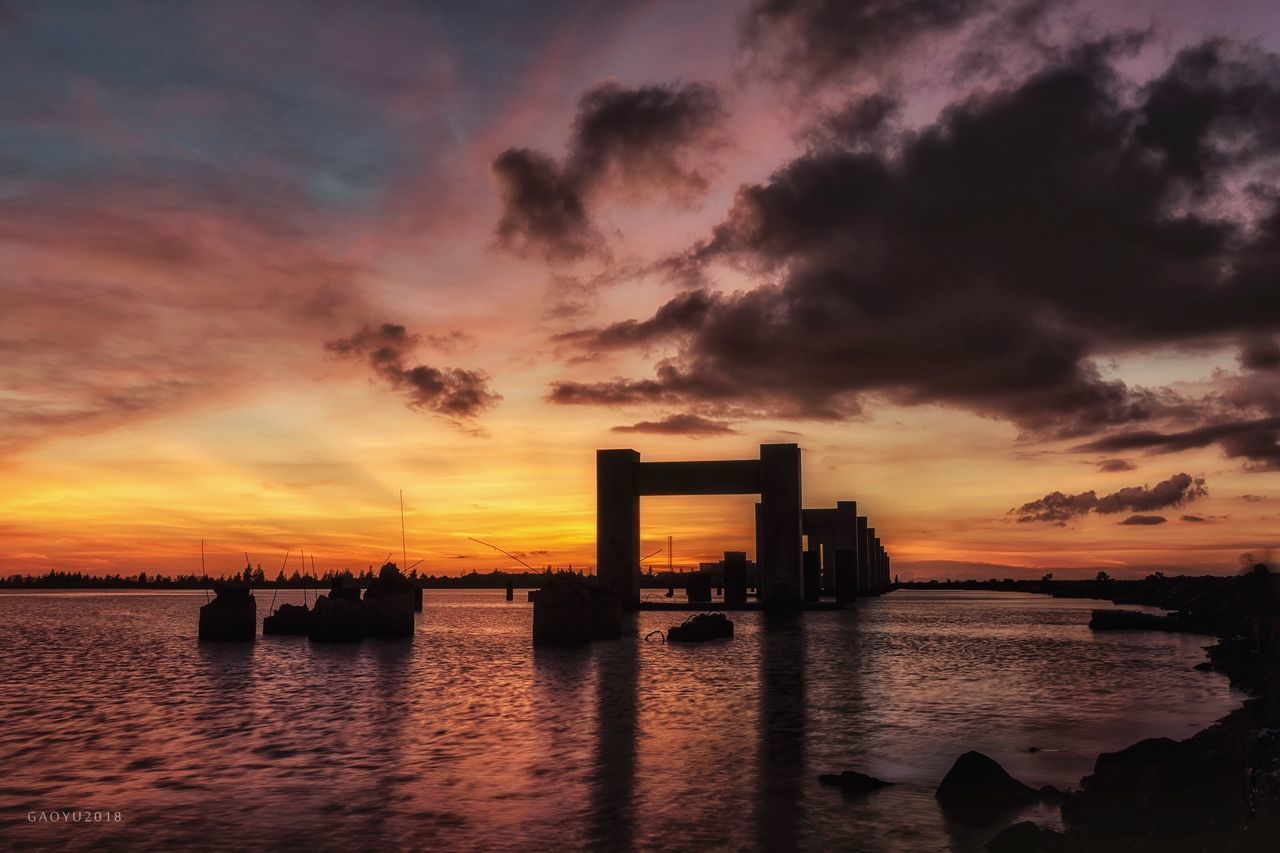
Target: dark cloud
pixel 1260 354
pixel 1253 499
pixel 1194 518
pixel 1175 491
pixel 1145 519
pixel 543 212
pixel 818 40
pixel 685 313
pixel 639 141
pixel 987 260
pixel 1057 507
pixel 1257 441
pixel 452 392
pixel 1112 465
pixel 693 426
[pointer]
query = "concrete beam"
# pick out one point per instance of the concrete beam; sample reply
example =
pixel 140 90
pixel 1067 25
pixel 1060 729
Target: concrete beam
pixel 731 477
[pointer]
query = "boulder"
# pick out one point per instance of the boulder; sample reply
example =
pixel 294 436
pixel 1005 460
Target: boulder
pixel 1025 837
pixel 977 790
pixel 231 617
pixel 700 628
pixel 853 782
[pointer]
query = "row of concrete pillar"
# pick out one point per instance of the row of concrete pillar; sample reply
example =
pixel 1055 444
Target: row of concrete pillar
pixel 843 556
pixel 841 547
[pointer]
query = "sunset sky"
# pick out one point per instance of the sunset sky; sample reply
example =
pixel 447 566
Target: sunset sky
pixel 1007 270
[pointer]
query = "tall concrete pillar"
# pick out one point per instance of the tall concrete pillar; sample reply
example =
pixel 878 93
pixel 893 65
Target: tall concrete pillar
pixel 879 561
pixel 618 524
pixel 872 563
pixel 812 577
pixel 863 556
pixel 846 551
pixel 781 573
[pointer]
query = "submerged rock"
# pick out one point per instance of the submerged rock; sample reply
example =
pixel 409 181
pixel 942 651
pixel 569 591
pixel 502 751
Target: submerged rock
pixel 977 790
pixel 853 782
pixel 700 628
pixel 231 617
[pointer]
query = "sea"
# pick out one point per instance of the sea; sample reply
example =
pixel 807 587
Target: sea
pixel 122 732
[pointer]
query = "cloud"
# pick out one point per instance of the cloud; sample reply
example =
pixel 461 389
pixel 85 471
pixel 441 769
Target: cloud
pixel 638 141
pixel 689 425
pixel 818 40
pixel 1253 499
pixel 988 260
pixel 1257 440
pixel 1260 353
pixel 452 392
pixel 1058 508
pixel 1113 465
pixel 1145 519
pixel 1195 518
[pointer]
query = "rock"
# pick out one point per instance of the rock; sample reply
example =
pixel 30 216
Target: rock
pixel 562 613
pixel 1025 837
pixel 231 617
pixel 977 790
pixel 1159 787
pixel 1134 620
pixel 853 782
pixel 700 628
pixel 288 619
pixel 1050 794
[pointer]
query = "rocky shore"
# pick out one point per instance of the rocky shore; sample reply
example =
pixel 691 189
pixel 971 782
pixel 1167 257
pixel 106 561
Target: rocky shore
pixel 1218 790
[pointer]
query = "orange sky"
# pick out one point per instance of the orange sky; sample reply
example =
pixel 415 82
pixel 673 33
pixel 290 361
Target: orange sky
pixel 186 234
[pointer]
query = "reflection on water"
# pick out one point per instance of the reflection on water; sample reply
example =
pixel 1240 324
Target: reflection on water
pixel 467 738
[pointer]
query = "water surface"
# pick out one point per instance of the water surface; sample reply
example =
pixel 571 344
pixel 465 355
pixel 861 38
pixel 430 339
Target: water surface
pixel 468 738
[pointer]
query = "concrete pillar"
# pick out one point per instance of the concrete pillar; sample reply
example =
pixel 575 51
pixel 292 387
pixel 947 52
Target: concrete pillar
pixel 873 566
pixel 735 577
pixel 863 555
pixel 781 573
pixel 812 577
pixel 618 524
pixel 845 568
pixel 879 559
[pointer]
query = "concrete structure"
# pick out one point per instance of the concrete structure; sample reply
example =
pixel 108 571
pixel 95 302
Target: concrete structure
pixel 622 479
pixel 832 536
pixel 735 577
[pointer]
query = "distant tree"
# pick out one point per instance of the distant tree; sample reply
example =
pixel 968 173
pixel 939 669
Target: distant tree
pixel 247 576
pixel 142 578
pixel 259 576
pixel 1103 577
pixel 1046 577
pixel 1156 576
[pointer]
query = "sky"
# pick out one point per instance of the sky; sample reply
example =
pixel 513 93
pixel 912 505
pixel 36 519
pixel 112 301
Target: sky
pixel 1008 271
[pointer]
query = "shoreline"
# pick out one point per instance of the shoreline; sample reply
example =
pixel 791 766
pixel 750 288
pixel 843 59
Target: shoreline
pixel 1218 789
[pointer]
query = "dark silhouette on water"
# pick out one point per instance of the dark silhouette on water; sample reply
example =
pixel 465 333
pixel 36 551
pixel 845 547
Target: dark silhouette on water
pixel 232 616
